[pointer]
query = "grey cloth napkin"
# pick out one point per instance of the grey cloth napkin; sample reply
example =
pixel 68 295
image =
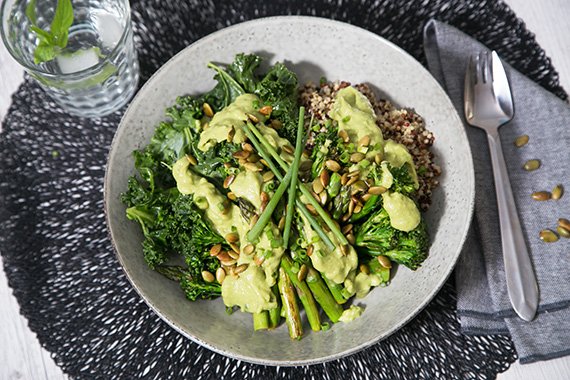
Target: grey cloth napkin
pixel 483 304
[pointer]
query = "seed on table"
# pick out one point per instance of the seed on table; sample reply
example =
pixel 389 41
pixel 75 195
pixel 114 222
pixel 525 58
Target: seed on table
pixel 357 157
pixel 191 160
pixel 318 186
pixel 557 192
pixel 310 250
pixel 565 223
pixel 548 236
pixel 215 250
pixel 541 195
pixel 521 141
pixel 343 135
pixel 364 269
pixel 531 165
pixel 377 190
pixel 384 261
pixel 220 275
pixel 232 237
pixel 302 274
pixel 332 165
pixel 365 141
pixel 229 180
pixel 241 268
pixel 276 124
pixel 248 249
pixel 266 110
pixel 325 177
pixel 208 111
pixel 563 232
pixel 207 276
pixel 268 176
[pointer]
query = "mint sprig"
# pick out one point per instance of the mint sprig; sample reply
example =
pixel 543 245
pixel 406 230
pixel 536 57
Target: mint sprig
pixel 52 42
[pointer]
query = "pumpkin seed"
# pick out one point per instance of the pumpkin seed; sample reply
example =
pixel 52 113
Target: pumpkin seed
pixel 318 186
pixel 241 155
pixel 305 166
pixel 324 197
pixel 241 268
pixel 366 196
pixel 231 134
pixel 228 264
pixel 232 237
pixel 325 178
pixel 223 256
pixel 531 165
pixel 346 229
pixel 264 197
pixel 311 209
pixel 253 220
pixel 232 196
pixel 207 276
pixel 332 165
pixel 247 147
pixel 233 255
pixel 215 250
pixel 384 261
pixel 345 249
pixel 357 208
pixel 557 192
pixel 287 149
pixel 359 186
pixel 564 223
pixel 266 110
pixel 364 269
pixel 191 160
pixel 351 181
pixel 259 260
pixel 377 190
pixel 302 274
pixel 268 176
pixel 521 141
pixel 365 141
pixel 281 224
pixel 357 157
pixel 541 195
pixel 253 118
pixel 343 135
pixel 276 124
pixel 378 158
pixel 248 249
pixel 344 179
pixel 351 238
pixel 235 247
pixel 563 232
pixel 208 111
pixel 310 250
pixel 250 166
pixel 220 275
pixel 264 163
pixel 351 207
pixel 354 173
pixel 229 180
pixel 548 236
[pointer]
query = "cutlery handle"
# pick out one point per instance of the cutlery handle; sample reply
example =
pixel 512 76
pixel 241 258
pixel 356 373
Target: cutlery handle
pixel 521 281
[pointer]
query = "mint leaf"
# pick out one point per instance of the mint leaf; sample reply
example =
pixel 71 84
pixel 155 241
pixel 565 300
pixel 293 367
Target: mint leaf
pixel 61 22
pixel 44 53
pixel 52 42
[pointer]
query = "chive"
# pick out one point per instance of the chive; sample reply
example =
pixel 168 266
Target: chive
pixel 322 213
pixel 254 233
pixel 295 171
pixel 300 206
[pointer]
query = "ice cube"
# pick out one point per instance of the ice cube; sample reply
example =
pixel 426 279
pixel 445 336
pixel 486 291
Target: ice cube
pixel 108 27
pixel 80 60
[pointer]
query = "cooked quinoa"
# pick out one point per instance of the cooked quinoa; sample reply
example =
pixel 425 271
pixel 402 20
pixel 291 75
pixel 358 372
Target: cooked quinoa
pixel 399 124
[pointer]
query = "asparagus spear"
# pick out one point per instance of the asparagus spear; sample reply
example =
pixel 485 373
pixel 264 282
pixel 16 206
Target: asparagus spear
pixel 304 294
pixel 336 290
pixel 290 305
pixel 323 296
pixel 275 313
pixel 261 320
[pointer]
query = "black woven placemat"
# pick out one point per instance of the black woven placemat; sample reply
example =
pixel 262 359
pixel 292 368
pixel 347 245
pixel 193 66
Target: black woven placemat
pixel 59 260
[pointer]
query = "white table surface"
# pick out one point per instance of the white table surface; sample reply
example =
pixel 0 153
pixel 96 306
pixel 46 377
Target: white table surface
pixel 22 357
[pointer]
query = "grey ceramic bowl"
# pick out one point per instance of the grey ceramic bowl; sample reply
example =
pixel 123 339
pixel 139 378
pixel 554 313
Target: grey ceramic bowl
pixel 312 47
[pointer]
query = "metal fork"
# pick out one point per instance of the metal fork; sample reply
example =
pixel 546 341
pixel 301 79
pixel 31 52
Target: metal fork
pixel 489 105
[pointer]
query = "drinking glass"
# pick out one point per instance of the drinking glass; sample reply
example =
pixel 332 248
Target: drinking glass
pixel 97 72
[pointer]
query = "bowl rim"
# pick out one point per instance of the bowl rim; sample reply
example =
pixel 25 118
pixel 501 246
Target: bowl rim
pixel 448 269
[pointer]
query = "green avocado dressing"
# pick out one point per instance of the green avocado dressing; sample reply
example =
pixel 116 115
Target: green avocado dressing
pixel 233 116
pixel 251 290
pixel 403 212
pixel 351 313
pixel 397 155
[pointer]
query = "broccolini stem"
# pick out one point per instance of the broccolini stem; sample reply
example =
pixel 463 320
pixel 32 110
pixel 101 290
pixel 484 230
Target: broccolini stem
pixel 285 166
pixel 290 305
pixel 336 290
pixel 275 313
pixel 304 294
pixel 323 296
pixel 295 171
pixel 261 320
pixel 298 204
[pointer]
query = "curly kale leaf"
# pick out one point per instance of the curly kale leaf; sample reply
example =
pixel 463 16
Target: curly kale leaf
pixel 193 288
pixel 403 182
pixel 377 237
pixel 243 68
